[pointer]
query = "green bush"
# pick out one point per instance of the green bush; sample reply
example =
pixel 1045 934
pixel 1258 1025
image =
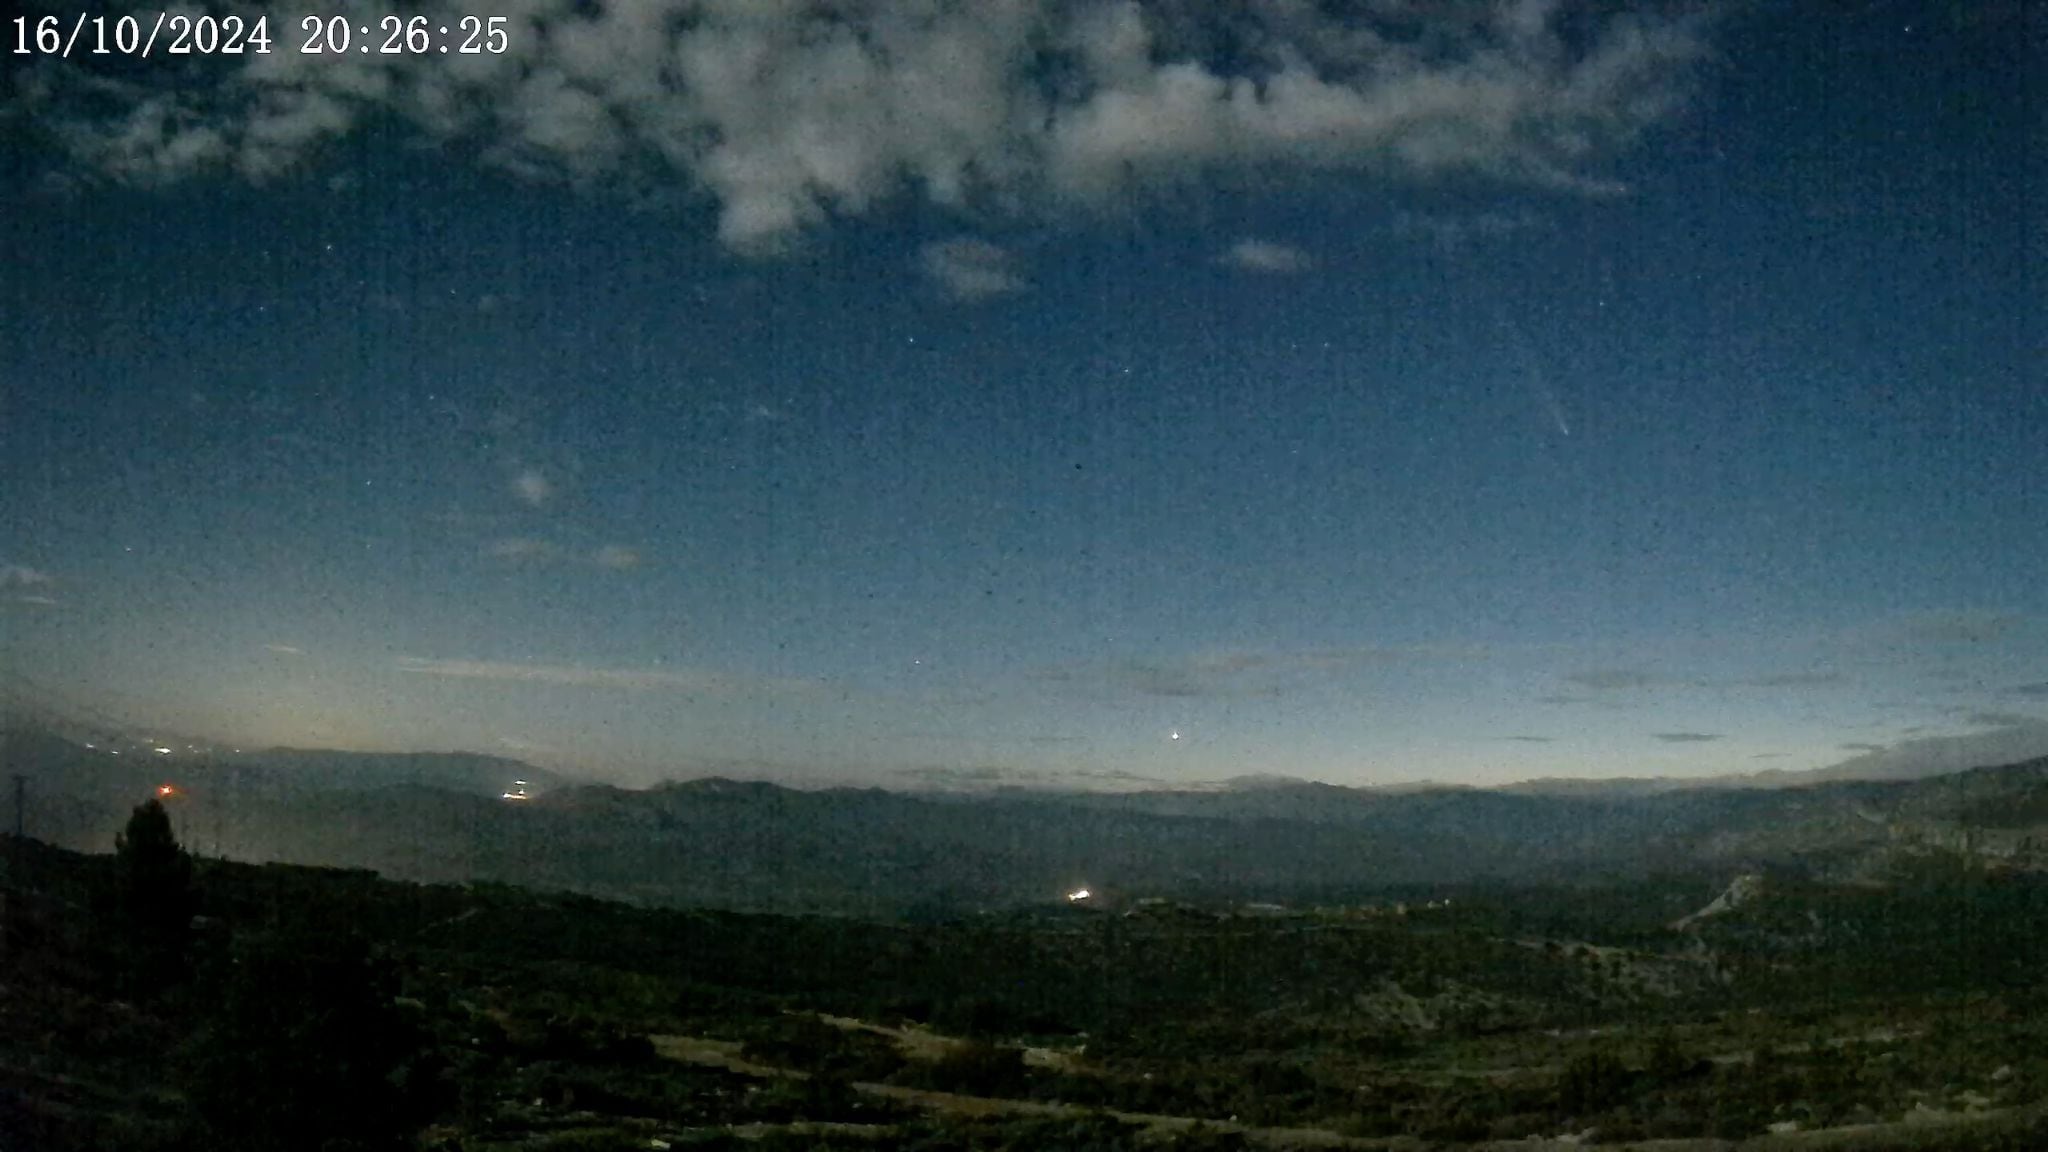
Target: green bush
pixel 1593 1082
pixel 981 1069
pixel 306 1048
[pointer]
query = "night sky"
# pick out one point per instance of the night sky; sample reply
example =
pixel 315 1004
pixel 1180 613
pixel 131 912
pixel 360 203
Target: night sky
pixel 1050 393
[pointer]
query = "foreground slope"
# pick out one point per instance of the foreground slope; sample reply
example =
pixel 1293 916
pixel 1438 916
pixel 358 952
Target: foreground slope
pixel 1908 1013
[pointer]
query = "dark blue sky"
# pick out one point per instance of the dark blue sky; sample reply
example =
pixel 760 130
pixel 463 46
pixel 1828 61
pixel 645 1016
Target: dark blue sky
pixel 1047 394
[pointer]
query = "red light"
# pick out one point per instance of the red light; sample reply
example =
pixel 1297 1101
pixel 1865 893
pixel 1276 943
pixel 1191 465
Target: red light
pixel 164 790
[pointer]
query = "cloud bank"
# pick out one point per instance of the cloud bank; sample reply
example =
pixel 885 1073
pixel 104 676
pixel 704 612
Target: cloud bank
pixel 2023 738
pixel 786 114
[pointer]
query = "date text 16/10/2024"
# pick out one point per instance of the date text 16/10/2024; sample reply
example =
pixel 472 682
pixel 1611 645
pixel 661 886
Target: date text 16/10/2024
pixel 180 34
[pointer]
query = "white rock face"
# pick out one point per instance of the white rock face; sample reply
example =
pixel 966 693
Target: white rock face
pixel 1744 889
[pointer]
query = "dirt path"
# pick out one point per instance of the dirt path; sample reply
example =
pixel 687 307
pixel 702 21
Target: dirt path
pixel 925 1044
pixel 724 1054
pixel 708 1052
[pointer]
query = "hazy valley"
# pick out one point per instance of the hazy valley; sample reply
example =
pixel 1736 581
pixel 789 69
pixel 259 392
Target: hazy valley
pixel 756 846
pixel 545 965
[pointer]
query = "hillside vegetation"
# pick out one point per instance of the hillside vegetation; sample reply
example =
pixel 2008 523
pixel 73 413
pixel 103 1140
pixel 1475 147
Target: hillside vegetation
pixel 310 1008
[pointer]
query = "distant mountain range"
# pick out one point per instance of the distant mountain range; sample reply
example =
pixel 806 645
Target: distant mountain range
pixel 2009 738
pixel 444 817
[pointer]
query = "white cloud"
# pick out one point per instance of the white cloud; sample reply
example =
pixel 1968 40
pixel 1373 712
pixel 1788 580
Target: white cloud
pixel 970 269
pixel 617 557
pixel 22 576
pixel 533 487
pixel 787 114
pixel 284 649
pixel 39 601
pixel 1266 256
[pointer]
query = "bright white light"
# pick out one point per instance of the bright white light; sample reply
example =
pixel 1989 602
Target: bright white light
pixel 517 796
pixel 1078 895
pixel 163 751
pixel 1173 735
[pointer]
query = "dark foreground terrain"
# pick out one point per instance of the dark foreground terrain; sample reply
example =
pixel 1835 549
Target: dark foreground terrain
pixel 304 1008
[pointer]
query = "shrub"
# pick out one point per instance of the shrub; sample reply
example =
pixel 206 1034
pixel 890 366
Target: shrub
pixel 306 1048
pixel 1593 1082
pixel 155 900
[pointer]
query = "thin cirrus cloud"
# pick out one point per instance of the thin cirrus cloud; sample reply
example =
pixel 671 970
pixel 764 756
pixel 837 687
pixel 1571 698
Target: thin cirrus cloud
pixel 284 649
pixel 1999 719
pixel 1613 679
pixel 970 269
pixel 1627 679
pixel 786 118
pixel 985 777
pixel 1239 673
pixel 1792 680
pixel 689 681
pixel 23 576
pixel 1267 257
pixel 1950 629
pixel 617 557
pixel 1686 737
pixel 521 548
pixel 974 778
pixel 532 486
pixel 1455 233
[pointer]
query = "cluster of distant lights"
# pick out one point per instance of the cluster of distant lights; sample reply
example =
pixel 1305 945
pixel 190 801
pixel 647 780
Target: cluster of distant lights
pixel 518 791
pixel 159 749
